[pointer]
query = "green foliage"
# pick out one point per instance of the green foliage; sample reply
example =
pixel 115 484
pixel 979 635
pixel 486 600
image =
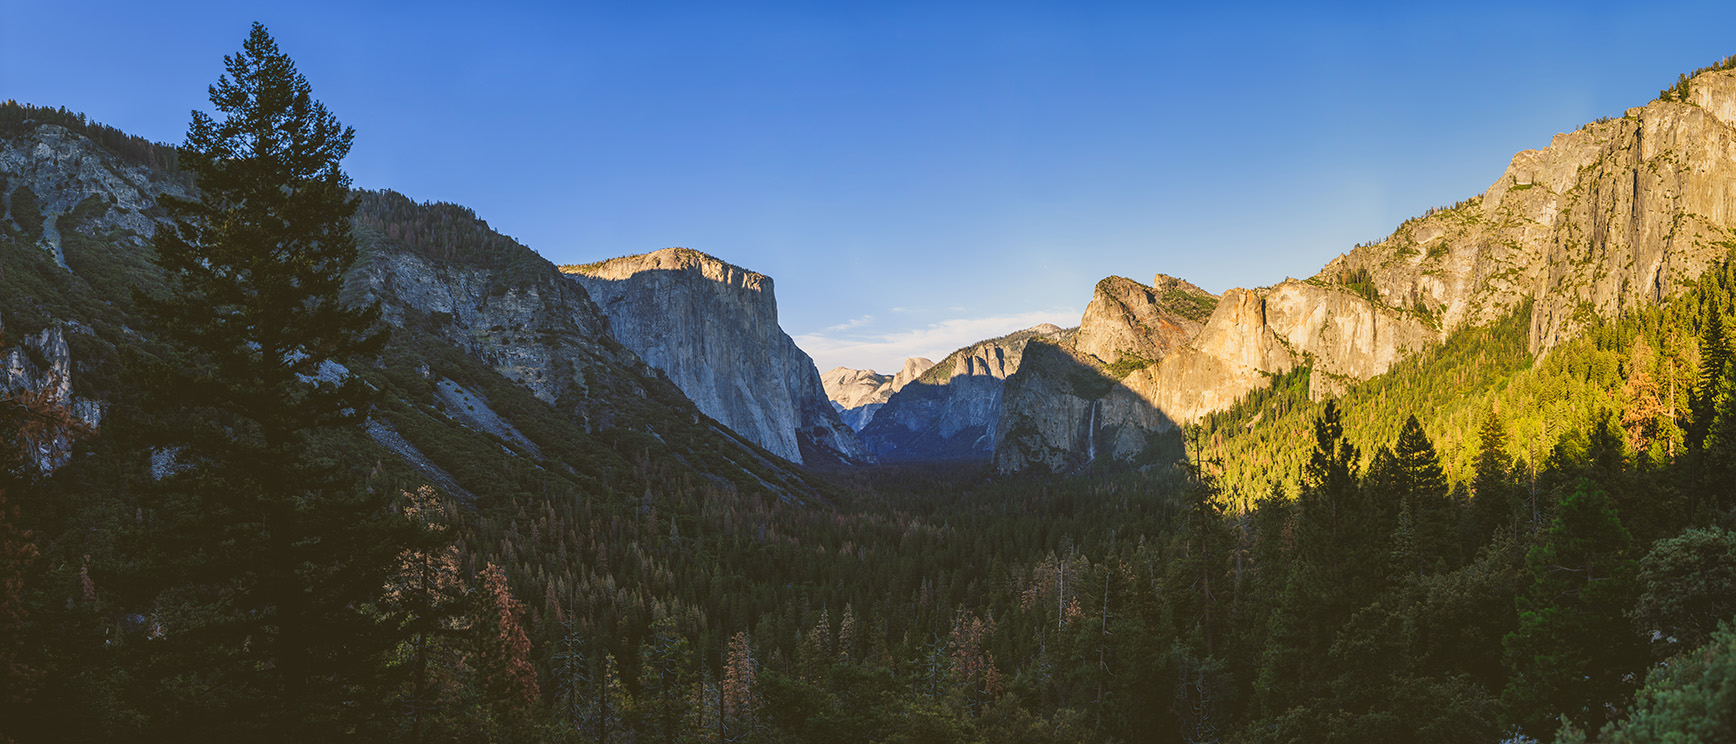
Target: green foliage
pixel 26 212
pixel 1681 91
pixel 1126 364
pixel 1690 698
pixel 1196 307
pixel 1574 653
pixel 1361 283
pixel 444 232
pixel 1687 585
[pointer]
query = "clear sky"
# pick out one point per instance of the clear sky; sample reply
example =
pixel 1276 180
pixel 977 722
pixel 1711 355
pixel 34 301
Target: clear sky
pixel 914 176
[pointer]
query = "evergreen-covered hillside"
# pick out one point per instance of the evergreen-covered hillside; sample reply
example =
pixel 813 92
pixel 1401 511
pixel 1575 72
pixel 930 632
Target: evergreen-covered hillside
pixel 499 525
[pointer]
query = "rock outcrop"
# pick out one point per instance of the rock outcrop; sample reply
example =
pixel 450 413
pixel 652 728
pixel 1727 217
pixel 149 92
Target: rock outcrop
pixel 69 202
pixel 951 411
pixel 713 329
pixel 77 210
pixel 853 388
pixel 858 394
pixel 1128 320
pixel 498 303
pixel 1070 404
pixel 1620 213
pixel 37 371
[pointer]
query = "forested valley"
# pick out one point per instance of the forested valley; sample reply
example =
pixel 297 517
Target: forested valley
pixel 1479 545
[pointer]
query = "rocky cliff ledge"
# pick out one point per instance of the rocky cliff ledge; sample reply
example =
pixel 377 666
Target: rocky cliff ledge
pixel 1617 214
pixel 713 329
pixel 1138 368
pixel 1621 213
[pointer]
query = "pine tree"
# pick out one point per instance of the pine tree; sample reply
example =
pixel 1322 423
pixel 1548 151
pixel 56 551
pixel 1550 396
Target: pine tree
pixel 263 558
pixel 1491 486
pixel 1702 409
pixel 1422 488
pixel 1575 654
pixel 508 676
pixel 1717 491
pixel 1340 561
pixel 429 594
pixel 1644 413
pixel 740 708
pixel 571 668
pixel 665 673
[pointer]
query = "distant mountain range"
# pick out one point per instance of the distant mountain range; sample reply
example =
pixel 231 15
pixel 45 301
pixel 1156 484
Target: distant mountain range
pixel 680 352
pixel 1618 215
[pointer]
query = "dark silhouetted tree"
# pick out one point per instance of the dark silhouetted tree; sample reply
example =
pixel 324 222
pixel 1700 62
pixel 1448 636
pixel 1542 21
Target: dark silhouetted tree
pixel 1492 489
pixel 263 559
pixel 1574 654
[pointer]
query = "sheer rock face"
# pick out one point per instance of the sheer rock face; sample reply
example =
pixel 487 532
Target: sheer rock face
pixel 951 410
pixel 857 394
pixel 713 329
pixel 1062 412
pixel 1251 335
pixel 1618 214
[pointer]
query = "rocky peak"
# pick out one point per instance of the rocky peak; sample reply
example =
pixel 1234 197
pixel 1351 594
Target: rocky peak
pixel 1237 332
pixel 914 367
pixel 1141 323
pixel 853 388
pixel 858 394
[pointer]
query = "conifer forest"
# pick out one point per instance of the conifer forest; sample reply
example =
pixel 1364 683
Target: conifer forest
pixel 283 528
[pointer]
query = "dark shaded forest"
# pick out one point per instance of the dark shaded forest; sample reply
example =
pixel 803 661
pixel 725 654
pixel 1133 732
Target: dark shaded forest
pixel 1478 545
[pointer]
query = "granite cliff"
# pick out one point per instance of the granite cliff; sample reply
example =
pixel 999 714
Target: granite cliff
pixel 497 365
pixel 713 329
pixel 1618 214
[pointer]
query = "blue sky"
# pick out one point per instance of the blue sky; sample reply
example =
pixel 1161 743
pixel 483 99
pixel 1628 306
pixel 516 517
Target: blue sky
pixel 914 176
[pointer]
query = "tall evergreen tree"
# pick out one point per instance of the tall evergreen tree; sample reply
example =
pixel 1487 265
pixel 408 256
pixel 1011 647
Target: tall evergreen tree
pixel 1422 487
pixel 1492 497
pixel 1575 654
pixel 1702 408
pixel 1337 566
pixel 1717 461
pixel 262 558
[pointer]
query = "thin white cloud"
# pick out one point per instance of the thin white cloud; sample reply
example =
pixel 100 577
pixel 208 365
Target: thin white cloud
pixel 886 351
pixel 848 324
